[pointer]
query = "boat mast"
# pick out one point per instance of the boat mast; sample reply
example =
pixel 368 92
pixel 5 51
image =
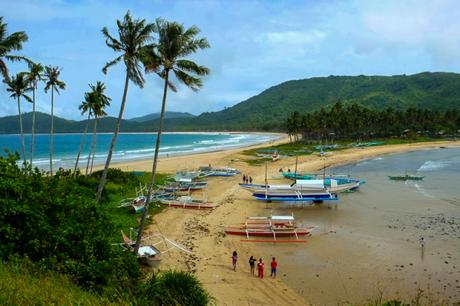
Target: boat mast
pixel 296 159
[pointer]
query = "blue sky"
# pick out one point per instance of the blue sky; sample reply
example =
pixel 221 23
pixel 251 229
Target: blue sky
pixel 254 45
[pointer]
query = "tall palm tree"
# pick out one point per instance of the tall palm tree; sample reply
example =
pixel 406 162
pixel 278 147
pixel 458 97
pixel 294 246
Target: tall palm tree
pixel 53 82
pixel 34 75
pixel 19 86
pixel 133 36
pixel 10 43
pixel 175 43
pixel 85 107
pixel 100 102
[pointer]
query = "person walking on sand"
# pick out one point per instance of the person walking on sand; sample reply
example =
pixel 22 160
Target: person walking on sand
pixel 250 180
pixel 252 264
pixel 244 178
pixel 273 265
pixel 260 268
pixel 234 259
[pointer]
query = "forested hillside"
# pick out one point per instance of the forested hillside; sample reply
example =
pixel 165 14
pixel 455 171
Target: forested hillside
pixel 270 109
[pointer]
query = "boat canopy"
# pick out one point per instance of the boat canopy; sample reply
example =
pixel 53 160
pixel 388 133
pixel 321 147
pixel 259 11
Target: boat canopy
pixel 148 250
pixel 310 183
pixel 284 218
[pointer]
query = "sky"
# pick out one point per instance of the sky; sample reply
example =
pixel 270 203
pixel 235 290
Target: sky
pixel 255 44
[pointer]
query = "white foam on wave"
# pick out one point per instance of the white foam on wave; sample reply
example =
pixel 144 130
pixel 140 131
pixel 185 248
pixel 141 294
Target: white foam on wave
pixel 423 191
pixel 432 165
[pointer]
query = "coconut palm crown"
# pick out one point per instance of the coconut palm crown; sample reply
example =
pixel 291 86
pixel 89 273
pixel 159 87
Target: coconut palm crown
pixel 18 86
pixel 133 37
pixel 175 43
pixel 9 43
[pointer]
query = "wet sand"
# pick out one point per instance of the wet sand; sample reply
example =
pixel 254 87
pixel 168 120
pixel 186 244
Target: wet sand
pixel 349 258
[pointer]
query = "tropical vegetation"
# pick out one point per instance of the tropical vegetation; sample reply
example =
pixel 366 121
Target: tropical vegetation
pixel 166 57
pixel 52 75
pixel 9 43
pixel 354 121
pixel 133 37
pixel 18 86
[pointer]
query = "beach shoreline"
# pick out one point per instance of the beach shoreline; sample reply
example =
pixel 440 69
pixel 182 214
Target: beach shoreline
pixel 202 231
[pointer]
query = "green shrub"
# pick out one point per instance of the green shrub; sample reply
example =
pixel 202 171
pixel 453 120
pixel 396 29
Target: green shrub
pixel 175 288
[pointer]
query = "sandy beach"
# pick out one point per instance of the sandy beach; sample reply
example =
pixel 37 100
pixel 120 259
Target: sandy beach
pixel 202 232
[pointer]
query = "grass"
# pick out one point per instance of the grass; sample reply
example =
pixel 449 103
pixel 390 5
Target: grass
pixel 20 285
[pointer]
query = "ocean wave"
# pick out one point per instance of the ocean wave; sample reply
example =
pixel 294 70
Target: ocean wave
pixel 432 165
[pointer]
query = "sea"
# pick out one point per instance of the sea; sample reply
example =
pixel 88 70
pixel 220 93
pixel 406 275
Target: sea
pixel 129 146
pixel 366 247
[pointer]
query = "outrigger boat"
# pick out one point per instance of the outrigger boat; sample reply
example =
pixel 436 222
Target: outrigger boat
pixel 406 177
pixel 184 186
pixel 187 202
pixel 219 171
pixel 302 187
pixel 273 226
pixel 149 252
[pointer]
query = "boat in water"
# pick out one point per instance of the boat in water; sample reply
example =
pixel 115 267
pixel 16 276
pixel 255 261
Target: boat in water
pixel 406 177
pixel 187 202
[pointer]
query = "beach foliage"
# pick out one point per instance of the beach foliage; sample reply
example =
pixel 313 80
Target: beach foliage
pixel 55 222
pixel 355 121
pixel 175 288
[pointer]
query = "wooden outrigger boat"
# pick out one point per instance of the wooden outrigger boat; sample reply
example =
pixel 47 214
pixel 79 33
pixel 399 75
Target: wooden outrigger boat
pixel 184 186
pixel 406 177
pixel 150 252
pixel 187 202
pixel 273 226
pixel 217 171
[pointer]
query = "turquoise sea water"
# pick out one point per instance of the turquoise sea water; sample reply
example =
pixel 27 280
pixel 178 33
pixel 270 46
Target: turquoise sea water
pixel 128 147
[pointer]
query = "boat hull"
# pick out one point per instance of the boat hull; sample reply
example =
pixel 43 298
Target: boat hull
pixel 266 232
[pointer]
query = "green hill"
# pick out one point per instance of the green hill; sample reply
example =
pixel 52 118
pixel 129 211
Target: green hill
pixel 269 109
pixel 168 115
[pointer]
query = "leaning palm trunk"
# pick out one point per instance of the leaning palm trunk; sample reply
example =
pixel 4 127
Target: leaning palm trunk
pixel 114 140
pixel 32 140
pixel 82 143
pixel 92 158
pixel 23 147
pixel 52 130
pixel 154 167
pixel 93 144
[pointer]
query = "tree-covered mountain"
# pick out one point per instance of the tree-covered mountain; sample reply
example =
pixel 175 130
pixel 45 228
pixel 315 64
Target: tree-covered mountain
pixel 168 115
pixel 270 109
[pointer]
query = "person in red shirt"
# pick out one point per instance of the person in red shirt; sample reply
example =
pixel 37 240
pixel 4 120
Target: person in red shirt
pixel 260 268
pixel 273 265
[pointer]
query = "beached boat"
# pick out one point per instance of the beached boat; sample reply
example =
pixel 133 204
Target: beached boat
pixel 406 177
pixel 217 171
pixel 273 226
pixel 151 247
pixel 183 186
pixel 187 202
pixel 299 176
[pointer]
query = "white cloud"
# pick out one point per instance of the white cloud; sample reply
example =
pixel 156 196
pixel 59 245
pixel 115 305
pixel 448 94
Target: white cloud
pixel 293 37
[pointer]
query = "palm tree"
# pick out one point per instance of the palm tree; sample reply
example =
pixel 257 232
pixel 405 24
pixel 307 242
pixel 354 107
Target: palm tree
pixel 19 86
pixel 10 43
pixel 134 35
pixel 34 75
pixel 53 82
pixel 175 43
pixel 85 106
pixel 100 102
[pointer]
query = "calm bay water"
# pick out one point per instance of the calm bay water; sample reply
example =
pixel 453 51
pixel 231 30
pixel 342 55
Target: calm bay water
pixel 368 243
pixel 128 146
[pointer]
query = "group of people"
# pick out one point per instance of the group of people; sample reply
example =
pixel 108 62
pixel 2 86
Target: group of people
pixel 247 179
pixel 260 265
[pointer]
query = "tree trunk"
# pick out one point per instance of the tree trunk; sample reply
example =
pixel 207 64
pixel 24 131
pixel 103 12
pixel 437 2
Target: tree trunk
pixel 32 140
pixel 112 144
pixel 23 147
pixel 154 167
pixel 93 140
pixel 52 130
pixel 82 143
